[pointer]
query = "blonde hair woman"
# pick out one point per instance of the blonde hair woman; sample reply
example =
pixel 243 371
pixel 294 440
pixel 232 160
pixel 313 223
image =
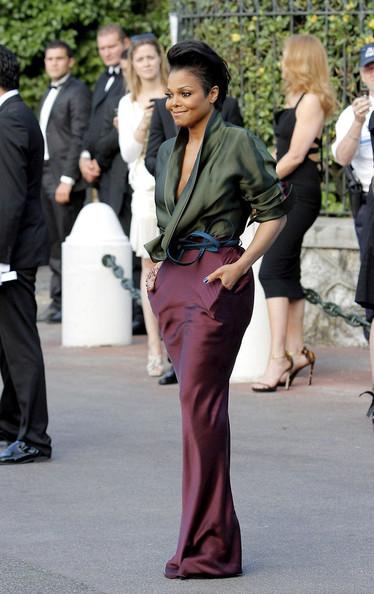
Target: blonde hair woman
pixel 146 79
pixel 309 100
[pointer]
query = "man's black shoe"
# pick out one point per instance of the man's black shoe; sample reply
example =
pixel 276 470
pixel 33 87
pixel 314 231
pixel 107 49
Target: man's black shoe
pixel 51 315
pixel 19 452
pixel 138 326
pixel 54 318
pixel 168 378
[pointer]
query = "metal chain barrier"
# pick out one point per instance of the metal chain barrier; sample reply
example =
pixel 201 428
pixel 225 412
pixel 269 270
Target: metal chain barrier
pixel 333 310
pixel 109 261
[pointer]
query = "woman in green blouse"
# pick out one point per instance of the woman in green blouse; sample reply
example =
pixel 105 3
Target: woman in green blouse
pixel 209 181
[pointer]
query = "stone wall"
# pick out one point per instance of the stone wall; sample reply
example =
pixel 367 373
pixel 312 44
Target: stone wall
pixel 330 265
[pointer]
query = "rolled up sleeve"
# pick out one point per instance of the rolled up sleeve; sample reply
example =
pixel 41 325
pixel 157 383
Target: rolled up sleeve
pixel 260 185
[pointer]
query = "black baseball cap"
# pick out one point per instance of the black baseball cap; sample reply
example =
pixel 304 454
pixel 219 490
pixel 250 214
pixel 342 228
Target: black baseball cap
pixel 366 54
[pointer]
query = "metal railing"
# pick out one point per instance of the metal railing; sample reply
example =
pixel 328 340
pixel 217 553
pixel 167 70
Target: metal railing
pixel 214 21
pixel 330 308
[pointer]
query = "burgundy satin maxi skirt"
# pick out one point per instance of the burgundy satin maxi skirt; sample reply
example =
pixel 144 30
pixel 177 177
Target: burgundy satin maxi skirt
pixel 202 326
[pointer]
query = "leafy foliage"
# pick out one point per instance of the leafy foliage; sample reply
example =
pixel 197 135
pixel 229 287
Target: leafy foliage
pixel 250 36
pixel 26 26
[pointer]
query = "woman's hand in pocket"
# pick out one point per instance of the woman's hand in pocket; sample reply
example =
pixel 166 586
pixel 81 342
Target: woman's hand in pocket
pixel 228 274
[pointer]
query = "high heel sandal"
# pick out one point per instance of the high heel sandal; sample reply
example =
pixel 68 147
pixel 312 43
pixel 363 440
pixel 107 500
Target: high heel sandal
pixel 311 360
pixel 155 365
pixel 273 388
pixel 370 412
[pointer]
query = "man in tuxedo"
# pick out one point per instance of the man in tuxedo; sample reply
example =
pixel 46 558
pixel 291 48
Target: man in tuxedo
pixel 23 247
pixel 64 116
pixel 162 128
pixel 100 162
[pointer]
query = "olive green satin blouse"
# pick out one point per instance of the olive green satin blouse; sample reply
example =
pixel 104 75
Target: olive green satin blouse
pixel 233 179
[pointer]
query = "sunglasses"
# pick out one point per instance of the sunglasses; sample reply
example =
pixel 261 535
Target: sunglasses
pixel 142 37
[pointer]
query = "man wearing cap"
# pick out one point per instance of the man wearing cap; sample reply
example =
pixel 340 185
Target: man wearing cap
pixel 352 145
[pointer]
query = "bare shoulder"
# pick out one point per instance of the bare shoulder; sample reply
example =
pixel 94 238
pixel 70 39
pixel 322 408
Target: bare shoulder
pixel 309 109
pixel 310 101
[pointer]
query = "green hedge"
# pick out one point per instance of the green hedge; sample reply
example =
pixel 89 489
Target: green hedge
pixel 26 26
pixel 251 42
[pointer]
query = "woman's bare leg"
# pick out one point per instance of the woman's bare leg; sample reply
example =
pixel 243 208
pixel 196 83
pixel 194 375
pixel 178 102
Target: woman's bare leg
pixel 151 324
pixel 278 309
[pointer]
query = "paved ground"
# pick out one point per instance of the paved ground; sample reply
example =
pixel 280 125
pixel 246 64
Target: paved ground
pixel 102 517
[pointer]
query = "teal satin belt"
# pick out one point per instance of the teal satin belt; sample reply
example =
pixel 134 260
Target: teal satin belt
pixel 201 241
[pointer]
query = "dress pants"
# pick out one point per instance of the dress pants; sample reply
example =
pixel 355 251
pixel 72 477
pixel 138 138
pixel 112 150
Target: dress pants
pixel 362 223
pixel 203 326
pixel 60 219
pixel 23 404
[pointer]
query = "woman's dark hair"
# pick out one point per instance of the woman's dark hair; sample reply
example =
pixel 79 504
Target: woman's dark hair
pixel 204 63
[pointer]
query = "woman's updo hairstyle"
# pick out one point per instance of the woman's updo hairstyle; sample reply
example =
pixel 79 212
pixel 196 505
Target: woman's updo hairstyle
pixel 204 63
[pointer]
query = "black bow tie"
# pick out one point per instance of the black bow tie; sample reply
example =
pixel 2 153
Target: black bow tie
pixel 113 70
pixel 53 87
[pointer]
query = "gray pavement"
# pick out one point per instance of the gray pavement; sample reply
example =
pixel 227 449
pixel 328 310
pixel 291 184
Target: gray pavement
pixel 102 517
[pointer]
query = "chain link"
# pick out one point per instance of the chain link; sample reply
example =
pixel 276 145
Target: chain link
pixel 109 261
pixel 333 310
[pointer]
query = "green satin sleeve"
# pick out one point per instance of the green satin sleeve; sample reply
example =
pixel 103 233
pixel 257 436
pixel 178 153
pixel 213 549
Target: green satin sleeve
pixel 260 185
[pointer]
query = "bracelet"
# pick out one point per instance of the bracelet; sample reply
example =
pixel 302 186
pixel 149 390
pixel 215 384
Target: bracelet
pixel 356 138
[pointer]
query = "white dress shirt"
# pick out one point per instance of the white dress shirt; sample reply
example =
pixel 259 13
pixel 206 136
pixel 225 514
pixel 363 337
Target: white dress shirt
pixel 362 161
pixel 45 112
pixel 8 95
pixel 46 109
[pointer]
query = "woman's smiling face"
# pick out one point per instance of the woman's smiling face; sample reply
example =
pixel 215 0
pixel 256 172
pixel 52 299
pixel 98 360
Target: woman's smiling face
pixel 187 99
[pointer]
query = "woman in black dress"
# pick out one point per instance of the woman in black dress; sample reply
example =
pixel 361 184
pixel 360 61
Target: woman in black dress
pixel 298 130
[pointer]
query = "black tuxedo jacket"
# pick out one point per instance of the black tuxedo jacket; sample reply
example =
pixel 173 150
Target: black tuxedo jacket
pixel 67 124
pixel 163 127
pixel 23 234
pixel 101 141
pixel 99 108
pixel 114 186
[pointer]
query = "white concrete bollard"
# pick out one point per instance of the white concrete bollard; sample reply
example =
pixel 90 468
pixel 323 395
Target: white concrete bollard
pixel 254 351
pixel 96 310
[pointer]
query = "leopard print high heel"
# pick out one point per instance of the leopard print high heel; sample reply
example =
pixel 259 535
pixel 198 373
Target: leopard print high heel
pixel 311 360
